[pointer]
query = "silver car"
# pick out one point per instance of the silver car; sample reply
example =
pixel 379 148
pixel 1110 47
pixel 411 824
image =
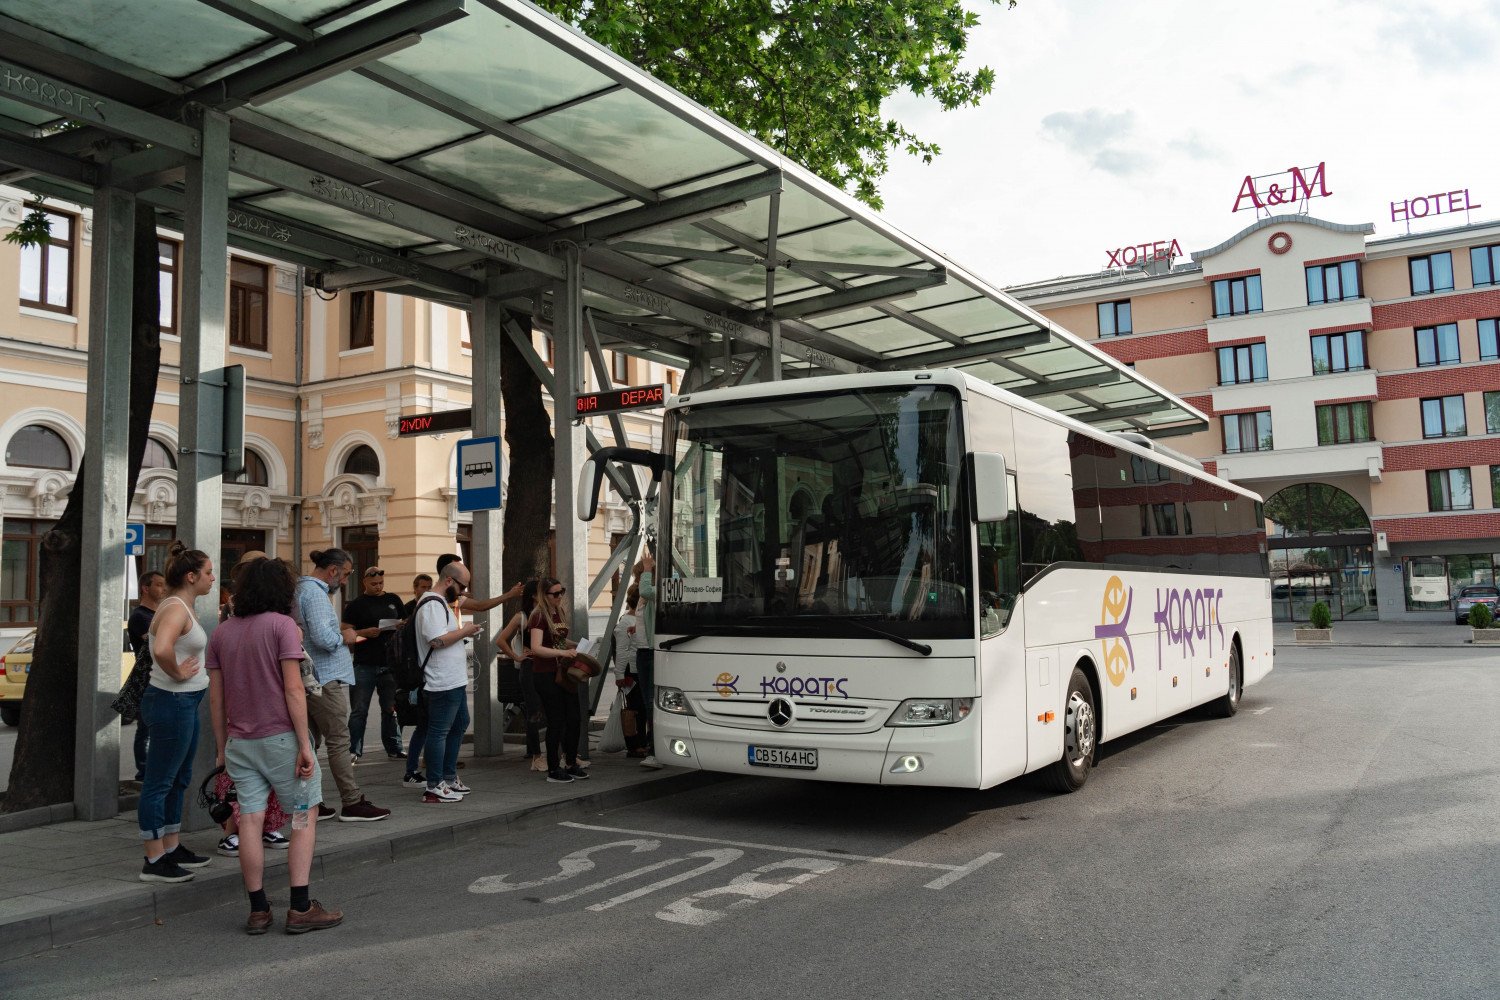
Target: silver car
pixel 1470 596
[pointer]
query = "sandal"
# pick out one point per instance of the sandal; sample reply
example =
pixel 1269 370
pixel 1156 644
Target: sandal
pixel 539 763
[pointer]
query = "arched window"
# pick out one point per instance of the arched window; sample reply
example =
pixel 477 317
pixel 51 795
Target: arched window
pixel 157 456
pixel 363 461
pixel 38 447
pixel 254 473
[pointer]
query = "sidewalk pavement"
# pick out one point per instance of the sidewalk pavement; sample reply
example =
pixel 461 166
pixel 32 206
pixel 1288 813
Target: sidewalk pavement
pixel 1422 634
pixel 69 881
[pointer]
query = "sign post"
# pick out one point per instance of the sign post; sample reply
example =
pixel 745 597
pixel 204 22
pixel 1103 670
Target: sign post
pixel 479 469
pixel 135 539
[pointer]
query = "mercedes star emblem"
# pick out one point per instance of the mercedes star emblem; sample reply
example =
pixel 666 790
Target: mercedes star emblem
pixel 780 712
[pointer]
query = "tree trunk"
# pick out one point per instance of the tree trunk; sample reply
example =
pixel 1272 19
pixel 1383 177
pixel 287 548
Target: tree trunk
pixel 42 771
pixel 528 433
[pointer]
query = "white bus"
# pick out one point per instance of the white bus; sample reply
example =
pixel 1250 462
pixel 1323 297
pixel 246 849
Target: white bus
pixel 916 578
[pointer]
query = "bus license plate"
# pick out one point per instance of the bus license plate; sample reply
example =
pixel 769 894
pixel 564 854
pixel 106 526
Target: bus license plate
pixel 806 760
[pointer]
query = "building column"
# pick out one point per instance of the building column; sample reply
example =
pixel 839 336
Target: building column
pixel 200 464
pixel 569 453
pixel 487 330
pixel 106 505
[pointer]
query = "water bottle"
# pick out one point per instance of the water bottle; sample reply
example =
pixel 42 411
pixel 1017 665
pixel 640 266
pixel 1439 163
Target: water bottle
pixel 302 806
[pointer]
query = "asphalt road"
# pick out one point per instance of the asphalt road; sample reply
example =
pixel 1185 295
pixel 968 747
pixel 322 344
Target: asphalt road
pixel 1336 839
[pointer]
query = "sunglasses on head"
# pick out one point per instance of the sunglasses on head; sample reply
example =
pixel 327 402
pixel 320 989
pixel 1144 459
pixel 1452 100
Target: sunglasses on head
pixel 373 573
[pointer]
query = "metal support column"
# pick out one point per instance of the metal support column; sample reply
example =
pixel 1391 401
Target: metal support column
pixel 200 465
pixel 773 372
pixel 487 326
pixel 106 506
pixel 572 534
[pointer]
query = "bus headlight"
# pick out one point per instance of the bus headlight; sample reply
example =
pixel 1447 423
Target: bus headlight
pixel 931 712
pixel 672 700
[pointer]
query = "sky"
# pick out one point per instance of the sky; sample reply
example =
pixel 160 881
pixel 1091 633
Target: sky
pixel 1118 123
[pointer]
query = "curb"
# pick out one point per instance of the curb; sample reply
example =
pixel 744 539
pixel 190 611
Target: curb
pixel 69 923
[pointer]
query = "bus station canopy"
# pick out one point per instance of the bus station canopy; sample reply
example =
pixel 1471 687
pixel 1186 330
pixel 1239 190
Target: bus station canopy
pixel 451 148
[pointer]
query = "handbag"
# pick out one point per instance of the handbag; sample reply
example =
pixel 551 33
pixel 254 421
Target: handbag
pixel 128 702
pixel 612 740
pixel 310 681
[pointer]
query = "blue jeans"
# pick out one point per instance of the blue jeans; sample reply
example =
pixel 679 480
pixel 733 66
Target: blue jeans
pixel 447 721
pixel 173 722
pixel 369 681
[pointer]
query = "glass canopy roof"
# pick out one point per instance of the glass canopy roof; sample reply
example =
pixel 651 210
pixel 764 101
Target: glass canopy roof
pixel 495 117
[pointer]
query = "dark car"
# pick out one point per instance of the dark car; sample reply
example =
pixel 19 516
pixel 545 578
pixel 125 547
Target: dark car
pixel 1470 596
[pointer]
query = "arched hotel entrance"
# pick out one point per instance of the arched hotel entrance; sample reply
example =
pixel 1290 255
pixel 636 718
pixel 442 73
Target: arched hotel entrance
pixel 1322 549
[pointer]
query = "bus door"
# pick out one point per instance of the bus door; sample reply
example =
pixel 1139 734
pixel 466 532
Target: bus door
pixel 1003 686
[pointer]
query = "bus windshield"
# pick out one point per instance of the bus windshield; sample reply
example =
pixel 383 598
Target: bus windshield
pixel 819 515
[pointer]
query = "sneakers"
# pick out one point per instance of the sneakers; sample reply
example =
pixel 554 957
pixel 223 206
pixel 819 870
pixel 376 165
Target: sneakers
pixel 363 811
pixel 354 758
pixel 457 787
pixel 326 811
pixel 539 763
pixel 396 755
pixel 440 794
pixel 314 918
pixel 650 763
pixel 559 776
pixel 180 855
pixel 414 778
pixel 576 772
pixel 164 869
pixel 275 841
pixel 230 848
pixel 259 922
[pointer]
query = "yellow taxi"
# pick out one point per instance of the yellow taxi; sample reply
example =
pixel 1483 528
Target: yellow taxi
pixel 16 664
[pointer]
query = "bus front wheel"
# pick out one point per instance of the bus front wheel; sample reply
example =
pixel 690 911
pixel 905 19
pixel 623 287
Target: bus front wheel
pixel 1230 703
pixel 1080 736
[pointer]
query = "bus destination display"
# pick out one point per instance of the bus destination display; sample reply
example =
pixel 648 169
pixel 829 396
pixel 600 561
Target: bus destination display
pixel 436 423
pixel 637 397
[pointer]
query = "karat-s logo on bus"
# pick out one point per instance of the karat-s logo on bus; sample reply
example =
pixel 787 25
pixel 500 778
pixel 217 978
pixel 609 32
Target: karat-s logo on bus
pixel 1184 615
pixel 1113 630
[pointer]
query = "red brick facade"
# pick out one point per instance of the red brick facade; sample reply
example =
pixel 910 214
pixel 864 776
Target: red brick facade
pixel 1430 310
pixel 1430 529
pixel 1450 453
pixel 1440 380
pixel 1145 347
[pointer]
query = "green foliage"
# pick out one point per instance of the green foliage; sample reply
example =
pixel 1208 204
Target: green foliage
pixel 32 231
pixel 808 77
pixel 1318 616
pixel 1480 616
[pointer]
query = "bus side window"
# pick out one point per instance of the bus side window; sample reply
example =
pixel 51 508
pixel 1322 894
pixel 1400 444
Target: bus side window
pixel 999 569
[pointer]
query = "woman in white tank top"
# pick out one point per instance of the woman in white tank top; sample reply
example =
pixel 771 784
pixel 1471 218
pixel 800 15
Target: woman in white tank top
pixel 169 708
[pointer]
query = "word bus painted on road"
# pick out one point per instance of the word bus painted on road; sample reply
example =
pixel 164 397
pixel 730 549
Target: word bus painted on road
pixel 917 578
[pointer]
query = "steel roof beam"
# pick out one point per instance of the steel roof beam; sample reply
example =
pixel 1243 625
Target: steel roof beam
pixel 671 211
pixel 322 56
pixel 970 352
pixel 1052 387
pixel 40 90
pixel 1120 412
pixel 19 153
pixel 861 295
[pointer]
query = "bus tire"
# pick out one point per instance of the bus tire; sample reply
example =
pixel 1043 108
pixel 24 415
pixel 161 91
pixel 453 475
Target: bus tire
pixel 1229 704
pixel 1080 736
pixel 10 713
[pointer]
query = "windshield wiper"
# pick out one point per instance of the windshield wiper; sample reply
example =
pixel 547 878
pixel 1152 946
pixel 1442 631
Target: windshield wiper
pixel 678 641
pixel 918 647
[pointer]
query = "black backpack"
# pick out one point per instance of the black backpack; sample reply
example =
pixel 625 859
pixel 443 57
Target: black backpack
pixel 408 663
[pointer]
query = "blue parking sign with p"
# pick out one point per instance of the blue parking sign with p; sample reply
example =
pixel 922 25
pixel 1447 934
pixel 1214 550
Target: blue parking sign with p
pixel 135 539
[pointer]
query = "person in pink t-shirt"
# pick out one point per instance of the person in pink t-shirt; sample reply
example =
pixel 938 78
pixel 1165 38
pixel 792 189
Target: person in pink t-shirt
pixel 259 710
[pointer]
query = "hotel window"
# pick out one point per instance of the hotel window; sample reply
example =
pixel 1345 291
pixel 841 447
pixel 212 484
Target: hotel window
pixel 1443 416
pixel 47 271
pixel 168 253
pixel 1492 413
pixel 1449 489
pixel 20 569
pixel 1489 349
pixel 1338 352
pixel 1484 262
pixel 1437 345
pixel 1245 363
pixel 1237 296
pixel 248 282
pixel 1495 486
pixel 361 320
pixel 1344 423
pixel 1114 319
pixel 621 368
pixel 1332 282
pixel 1432 273
pixel 1247 432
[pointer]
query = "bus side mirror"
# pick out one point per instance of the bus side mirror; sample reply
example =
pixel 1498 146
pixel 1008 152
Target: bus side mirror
pixel 990 486
pixel 590 475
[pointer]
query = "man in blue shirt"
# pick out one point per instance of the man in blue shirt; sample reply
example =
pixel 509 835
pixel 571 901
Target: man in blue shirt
pixel 327 644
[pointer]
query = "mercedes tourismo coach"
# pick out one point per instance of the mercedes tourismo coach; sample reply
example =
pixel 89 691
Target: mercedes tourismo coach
pixel 919 578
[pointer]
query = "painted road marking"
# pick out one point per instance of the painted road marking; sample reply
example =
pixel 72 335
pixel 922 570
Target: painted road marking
pixel 955 872
pixel 1261 711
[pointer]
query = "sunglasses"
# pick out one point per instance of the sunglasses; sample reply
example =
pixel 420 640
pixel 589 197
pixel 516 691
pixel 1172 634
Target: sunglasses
pixel 374 573
pixel 558 592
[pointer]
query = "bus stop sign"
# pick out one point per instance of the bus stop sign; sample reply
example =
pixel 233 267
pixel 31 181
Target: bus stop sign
pixel 479 469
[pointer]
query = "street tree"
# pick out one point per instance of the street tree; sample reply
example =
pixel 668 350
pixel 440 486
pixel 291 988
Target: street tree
pixel 41 772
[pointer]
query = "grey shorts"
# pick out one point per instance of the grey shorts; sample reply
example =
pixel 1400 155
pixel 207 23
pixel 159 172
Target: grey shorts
pixel 258 766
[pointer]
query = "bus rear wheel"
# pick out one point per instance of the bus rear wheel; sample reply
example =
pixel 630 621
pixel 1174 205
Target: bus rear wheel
pixel 1229 704
pixel 1080 736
